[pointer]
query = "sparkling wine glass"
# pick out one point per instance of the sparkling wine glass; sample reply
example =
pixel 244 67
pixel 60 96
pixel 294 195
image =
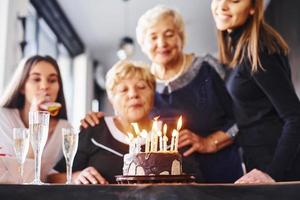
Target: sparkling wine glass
pixel 70 144
pixel 21 146
pixel 38 128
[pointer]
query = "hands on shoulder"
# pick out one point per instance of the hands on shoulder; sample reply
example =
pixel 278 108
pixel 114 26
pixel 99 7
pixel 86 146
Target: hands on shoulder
pixel 91 119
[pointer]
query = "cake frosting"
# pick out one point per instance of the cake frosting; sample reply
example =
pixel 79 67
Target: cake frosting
pixel 154 163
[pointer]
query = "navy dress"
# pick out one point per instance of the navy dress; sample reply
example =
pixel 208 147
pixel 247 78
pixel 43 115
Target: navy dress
pixel 200 96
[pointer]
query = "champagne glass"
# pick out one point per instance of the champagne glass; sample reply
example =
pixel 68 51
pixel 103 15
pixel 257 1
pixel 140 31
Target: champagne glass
pixel 38 128
pixel 21 146
pixel 70 144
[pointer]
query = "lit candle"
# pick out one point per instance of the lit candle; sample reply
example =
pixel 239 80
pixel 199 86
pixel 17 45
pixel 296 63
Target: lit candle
pixel 173 140
pixel 159 134
pixel 179 125
pixel 146 136
pixel 136 128
pixel 165 138
pixel 176 140
pixel 131 143
pixel 154 137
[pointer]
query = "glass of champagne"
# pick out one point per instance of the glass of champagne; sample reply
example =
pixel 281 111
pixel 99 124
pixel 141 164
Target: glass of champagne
pixel 70 145
pixel 38 128
pixel 21 146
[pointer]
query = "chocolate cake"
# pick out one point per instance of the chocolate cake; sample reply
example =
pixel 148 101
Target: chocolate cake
pixel 154 163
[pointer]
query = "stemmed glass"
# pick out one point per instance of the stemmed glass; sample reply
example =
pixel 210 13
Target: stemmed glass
pixel 38 128
pixel 21 146
pixel 70 145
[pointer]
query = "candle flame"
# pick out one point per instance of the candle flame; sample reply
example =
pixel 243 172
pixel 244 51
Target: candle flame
pixel 159 134
pixel 165 128
pixel 144 133
pixel 165 138
pixel 179 123
pixel 130 137
pixel 155 126
pixel 174 133
pixel 156 118
pixel 136 128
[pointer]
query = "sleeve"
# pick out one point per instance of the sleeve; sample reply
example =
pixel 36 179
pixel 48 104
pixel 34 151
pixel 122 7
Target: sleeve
pixel 82 155
pixel 225 100
pixel 275 82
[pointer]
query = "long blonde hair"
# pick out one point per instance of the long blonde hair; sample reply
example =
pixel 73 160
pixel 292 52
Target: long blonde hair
pixel 256 34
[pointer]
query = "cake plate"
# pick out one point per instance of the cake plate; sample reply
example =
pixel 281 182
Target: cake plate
pixel 155 179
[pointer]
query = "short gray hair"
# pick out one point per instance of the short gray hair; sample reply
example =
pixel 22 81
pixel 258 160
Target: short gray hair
pixel 153 15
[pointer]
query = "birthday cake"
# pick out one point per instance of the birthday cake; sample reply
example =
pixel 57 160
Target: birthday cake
pixel 153 163
pixel 159 162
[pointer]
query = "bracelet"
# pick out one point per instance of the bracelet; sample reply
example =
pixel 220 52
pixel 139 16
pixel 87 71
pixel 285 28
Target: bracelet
pixel 233 131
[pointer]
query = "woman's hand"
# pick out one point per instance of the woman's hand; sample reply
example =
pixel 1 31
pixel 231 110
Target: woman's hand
pixel 255 176
pixel 39 99
pixel 198 144
pixel 91 119
pixel 89 176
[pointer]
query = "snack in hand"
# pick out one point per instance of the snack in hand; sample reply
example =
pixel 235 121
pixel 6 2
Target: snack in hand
pixel 52 107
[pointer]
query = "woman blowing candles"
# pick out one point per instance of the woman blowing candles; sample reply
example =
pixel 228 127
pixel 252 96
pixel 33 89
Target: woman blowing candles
pixel 130 87
pixel 266 106
pixel 36 81
pixel 188 86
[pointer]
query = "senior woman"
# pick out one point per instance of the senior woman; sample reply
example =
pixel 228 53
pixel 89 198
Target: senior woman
pixel 130 88
pixel 189 86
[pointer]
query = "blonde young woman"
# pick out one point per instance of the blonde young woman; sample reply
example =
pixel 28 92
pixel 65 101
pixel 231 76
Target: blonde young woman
pixel 36 81
pixel 189 86
pixel 266 106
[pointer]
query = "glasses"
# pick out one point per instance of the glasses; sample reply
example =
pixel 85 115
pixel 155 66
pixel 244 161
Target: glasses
pixel 70 145
pixel 38 128
pixel 21 146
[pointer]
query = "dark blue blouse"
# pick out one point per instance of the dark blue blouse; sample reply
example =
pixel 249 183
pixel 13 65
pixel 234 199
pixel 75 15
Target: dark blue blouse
pixel 200 96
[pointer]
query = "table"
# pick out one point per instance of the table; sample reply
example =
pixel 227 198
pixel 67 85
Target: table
pixel 276 191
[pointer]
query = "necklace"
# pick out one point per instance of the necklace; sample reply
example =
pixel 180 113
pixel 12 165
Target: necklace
pixel 155 69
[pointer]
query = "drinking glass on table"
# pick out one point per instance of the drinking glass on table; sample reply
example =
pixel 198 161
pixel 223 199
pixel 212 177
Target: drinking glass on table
pixel 21 146
pixel 38 128
pixel 70 144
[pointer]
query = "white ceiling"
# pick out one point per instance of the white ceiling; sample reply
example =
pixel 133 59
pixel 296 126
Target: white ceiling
pixel 102 23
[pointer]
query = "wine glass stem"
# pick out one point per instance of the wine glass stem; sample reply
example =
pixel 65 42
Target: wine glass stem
pixel 37 169
pixel 69 173
pixel 22 172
